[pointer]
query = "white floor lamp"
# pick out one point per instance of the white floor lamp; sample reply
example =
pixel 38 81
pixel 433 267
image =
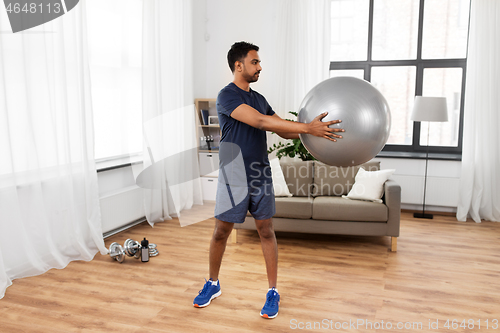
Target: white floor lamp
pixel 428 109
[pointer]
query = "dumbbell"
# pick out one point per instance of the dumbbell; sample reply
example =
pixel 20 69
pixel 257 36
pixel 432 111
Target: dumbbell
pixel 132 248
pixel 153 251
pixel 116 252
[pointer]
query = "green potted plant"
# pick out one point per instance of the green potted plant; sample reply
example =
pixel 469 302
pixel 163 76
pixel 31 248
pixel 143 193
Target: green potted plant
pixel 291 149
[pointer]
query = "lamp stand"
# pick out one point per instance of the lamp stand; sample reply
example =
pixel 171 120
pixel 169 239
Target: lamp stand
pixel 423 215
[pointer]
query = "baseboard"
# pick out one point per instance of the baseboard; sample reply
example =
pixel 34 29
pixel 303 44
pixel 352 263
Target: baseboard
pixel 123 228
pixel 412 211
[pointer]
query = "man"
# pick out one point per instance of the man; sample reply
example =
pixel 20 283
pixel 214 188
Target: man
pixel 244 117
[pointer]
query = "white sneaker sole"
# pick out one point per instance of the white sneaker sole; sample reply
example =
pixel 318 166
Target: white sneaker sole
pixel 267 316
pixel 217 294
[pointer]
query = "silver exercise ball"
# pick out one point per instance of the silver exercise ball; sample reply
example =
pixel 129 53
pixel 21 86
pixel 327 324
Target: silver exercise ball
pixel 365 117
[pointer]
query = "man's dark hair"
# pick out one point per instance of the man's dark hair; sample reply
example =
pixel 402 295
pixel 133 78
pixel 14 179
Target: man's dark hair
pixel 238 52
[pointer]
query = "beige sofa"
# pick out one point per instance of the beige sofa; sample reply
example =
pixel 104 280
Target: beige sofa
pixel 317 205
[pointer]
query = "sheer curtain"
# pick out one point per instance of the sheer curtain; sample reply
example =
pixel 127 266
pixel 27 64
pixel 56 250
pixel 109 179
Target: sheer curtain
pixel 49 204
pixel 115 56
pixel 480 181
pixel 170 146
pixel 303 52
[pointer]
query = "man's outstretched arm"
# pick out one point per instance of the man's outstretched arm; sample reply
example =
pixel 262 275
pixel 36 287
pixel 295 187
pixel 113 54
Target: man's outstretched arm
pixel 289 129
pixel 286 135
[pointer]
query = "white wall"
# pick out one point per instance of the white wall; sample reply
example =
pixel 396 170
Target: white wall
pixel 200 38
pixel 219 23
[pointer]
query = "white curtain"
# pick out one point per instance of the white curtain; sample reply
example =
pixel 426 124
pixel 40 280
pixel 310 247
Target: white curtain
pixel 480 181
pixel 170 154
pixel 115 56
pixel 49 204
pixel 303 52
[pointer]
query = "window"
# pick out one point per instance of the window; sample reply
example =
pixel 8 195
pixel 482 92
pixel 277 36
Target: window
pixel 397 84
pixel 406 48
pixel 115 46
pixel 349 26
pixel 395 29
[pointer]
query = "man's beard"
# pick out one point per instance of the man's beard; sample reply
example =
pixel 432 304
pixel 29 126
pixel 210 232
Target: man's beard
pixel 251 78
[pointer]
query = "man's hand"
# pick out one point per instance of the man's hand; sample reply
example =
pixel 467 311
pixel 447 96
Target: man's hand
pixel 322 129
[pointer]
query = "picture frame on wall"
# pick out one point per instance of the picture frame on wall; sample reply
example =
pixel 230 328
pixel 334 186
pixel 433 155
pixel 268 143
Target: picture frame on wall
pixel 213 120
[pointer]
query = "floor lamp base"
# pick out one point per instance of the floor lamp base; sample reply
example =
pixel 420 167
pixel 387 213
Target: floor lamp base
pixel 423 216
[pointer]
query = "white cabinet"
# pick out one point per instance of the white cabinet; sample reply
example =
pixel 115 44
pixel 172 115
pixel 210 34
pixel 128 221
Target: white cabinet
pixel 209 165
pixel 209 162
pixel 209 188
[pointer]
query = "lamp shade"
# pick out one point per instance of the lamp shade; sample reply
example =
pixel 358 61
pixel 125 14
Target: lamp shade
pixel 430 109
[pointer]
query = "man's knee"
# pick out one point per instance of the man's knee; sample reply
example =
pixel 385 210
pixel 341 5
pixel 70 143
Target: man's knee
pixel 222 230
pixel 265 228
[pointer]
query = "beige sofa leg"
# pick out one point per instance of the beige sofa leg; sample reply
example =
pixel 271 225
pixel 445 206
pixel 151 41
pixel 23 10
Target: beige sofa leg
pixel 234 236
pixel 394 244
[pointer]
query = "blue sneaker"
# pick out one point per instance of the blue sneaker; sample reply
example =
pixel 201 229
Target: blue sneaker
pixel 207 294
pixel 270 309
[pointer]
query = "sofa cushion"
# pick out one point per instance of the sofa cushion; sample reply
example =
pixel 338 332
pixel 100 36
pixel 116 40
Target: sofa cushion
pixel 337 181
pixel 369 185
pixel 295 207
pixel 280 186
pixel 340 209
pixel 299 177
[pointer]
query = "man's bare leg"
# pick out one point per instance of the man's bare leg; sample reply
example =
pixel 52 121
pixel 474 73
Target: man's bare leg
pixel 269 249
pixel 218 243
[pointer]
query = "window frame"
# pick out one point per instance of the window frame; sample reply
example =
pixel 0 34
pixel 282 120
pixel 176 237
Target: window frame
pixel 421 65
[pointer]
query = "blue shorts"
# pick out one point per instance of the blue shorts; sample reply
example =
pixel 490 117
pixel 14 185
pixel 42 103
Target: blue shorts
pixel 233 202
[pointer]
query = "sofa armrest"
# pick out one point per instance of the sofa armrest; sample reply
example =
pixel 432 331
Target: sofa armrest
pixel 392 199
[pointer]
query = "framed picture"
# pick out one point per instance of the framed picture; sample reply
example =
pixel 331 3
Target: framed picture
pixel 213 120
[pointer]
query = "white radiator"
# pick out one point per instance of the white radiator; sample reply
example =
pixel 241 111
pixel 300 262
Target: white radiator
pixel 121 207
pixel 441 191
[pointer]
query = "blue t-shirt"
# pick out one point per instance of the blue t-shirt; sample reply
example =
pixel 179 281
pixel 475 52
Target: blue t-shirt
pixel 251 141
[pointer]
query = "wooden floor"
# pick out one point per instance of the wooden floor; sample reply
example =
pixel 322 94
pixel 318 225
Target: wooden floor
pixel 443 270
